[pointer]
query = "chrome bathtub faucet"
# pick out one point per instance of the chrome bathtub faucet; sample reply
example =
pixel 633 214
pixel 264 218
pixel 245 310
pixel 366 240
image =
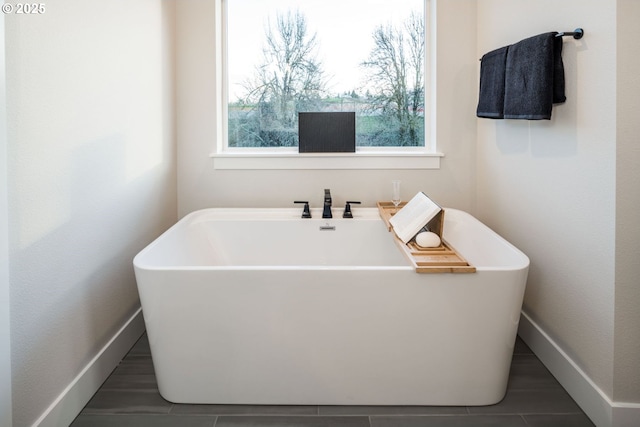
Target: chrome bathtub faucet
pixel 326 212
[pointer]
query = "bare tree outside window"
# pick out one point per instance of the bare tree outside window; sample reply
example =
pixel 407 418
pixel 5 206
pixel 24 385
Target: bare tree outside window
pixel 287 81
pixel 380 75
pixel 395 68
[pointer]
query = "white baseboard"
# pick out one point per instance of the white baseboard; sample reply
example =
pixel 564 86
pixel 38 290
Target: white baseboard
pixel 625 414
pixel 591 399
pixel 77 394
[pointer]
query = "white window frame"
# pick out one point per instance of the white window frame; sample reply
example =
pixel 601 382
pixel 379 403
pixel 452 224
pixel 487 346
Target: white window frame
pixel 224 157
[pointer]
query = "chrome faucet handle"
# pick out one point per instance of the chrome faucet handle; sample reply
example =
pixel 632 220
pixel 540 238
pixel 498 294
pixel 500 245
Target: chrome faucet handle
pixel 306 213
pixel 347 209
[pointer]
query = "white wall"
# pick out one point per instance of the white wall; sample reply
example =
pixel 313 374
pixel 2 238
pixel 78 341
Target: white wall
pixel 549 186
pixel 5 338
pixel 91 180
pixel 564 192
pixel 627 317
pixel 200 185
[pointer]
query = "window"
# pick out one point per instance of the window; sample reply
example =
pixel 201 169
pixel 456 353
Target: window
pixel 289 56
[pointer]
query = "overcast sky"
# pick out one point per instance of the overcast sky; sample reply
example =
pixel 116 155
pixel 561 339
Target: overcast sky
pixel 343 28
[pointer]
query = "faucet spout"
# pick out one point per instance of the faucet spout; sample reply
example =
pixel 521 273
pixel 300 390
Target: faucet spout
pixel 326 212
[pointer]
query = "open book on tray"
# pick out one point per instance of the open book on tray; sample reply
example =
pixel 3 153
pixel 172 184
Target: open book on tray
pixel 413 216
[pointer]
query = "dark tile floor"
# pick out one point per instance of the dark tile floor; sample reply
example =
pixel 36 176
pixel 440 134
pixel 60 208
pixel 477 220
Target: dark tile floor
pixel 129 398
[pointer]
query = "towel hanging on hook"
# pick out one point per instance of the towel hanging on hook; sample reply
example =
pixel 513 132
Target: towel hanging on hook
pixel 536 61
pixel 522 80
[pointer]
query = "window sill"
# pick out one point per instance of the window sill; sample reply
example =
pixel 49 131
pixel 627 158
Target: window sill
pixel 294 160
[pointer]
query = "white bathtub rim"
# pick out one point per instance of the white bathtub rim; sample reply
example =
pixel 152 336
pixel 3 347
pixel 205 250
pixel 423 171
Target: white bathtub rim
pixel 265 214
pixel 407 267
pixel 275 267
pixel 248 214
pixel 279 214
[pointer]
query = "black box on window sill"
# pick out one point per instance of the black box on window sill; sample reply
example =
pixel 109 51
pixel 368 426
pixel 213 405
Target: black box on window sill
pixel 327 132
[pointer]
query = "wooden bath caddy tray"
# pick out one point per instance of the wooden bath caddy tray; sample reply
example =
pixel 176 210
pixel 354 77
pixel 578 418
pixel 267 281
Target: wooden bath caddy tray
pixel 441 259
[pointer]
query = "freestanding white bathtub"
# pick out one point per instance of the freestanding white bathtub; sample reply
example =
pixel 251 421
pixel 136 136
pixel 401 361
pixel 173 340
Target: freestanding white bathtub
pixel 259 306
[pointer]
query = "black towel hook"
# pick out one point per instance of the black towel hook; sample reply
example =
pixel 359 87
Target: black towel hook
pixel 577 33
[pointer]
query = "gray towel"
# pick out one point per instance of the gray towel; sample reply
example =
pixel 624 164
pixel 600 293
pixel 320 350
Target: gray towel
pixel 492 84
pixel 534 78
